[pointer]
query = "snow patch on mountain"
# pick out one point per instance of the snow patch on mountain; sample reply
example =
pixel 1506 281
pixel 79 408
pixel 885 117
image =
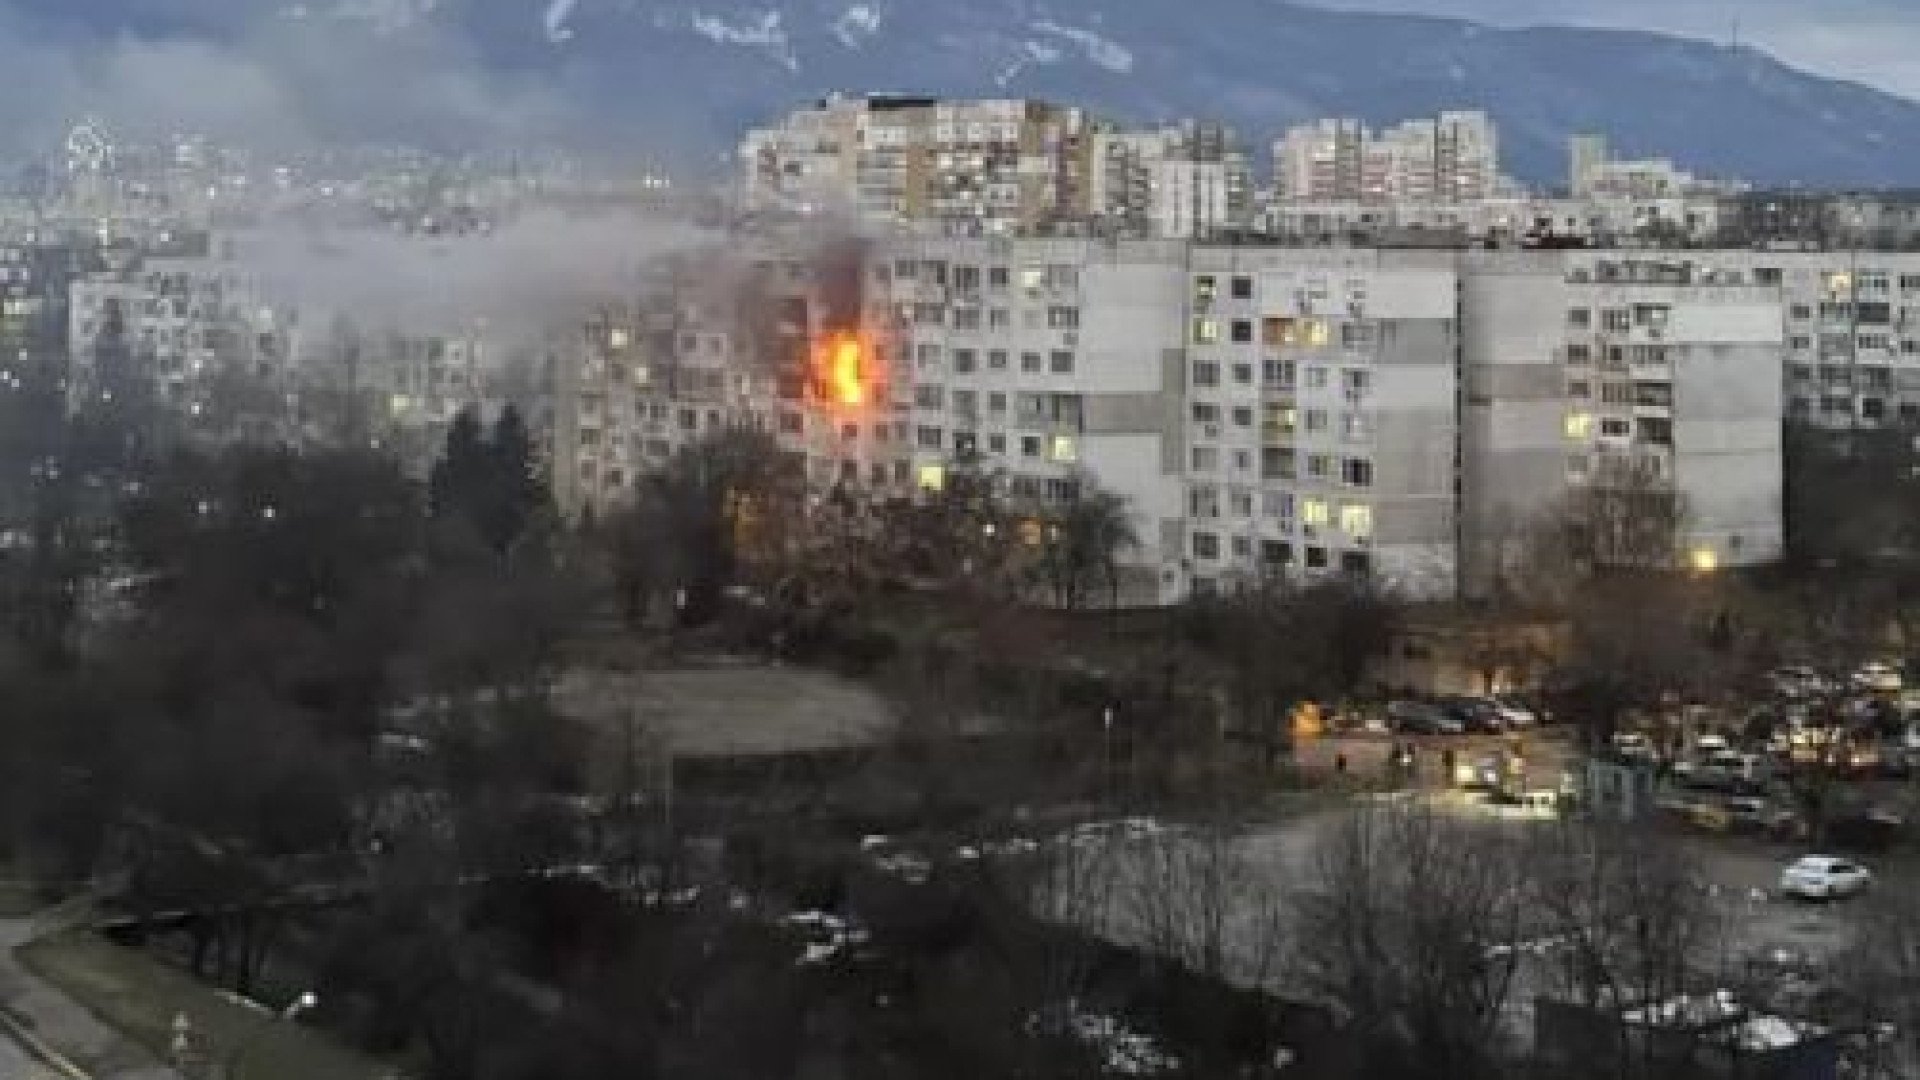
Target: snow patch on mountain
pixel 1099 50
pixel 767 33
pixel 558 12
pixel 856 24
pixel 1027 55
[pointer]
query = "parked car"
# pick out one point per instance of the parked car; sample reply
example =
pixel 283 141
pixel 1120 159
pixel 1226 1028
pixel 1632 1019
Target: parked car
pixel 1474 714
pixel 1421 718
pixel 1757 815
pixel 1824 877
pixel 1878 677
pixel 1516 713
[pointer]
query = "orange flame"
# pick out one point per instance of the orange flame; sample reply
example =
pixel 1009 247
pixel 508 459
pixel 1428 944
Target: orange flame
pixel 846 362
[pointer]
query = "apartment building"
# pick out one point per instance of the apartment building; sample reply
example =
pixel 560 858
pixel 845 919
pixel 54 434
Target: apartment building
pixel 994 166
pixel 1185 181
pixel 1401 414
pixel 193 330
pixel 1454 157
pixel 1320 416
pixel 1583 367
pixel 1052 363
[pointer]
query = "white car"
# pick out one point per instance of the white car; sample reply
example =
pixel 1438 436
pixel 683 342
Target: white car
pixel 1824 877
pixel 1879 678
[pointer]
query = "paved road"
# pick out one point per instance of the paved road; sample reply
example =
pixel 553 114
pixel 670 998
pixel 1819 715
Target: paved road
pixel 57 1020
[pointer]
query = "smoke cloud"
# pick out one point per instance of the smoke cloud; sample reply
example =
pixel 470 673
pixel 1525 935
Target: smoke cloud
pixel 265 76
pixel 534 273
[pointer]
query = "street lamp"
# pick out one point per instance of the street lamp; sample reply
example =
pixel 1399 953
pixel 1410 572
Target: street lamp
pixel 230 1067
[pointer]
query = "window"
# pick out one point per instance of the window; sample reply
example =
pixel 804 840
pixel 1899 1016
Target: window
pixel 1355 382
pixel 999 318
pixel 997 359
pixel 1800 341
pixel 1241 331
pixel 1356 472
pixel 996 443
pixel 1800 312
pixel 1030 361
pixel 1579 355
pixel 1205 289
pixel 997 277
pixel 1579 389
pixel 927 355
pixel 1316 420
pixel 1204 413
pixel 1241 287
pixel 965 361
pixel 1616 393
pixel 1243 417
pixel 1243 374
pixel 1355 563
pixel 1319 466
pixel 1316 377
pixel 1063 450
pixel 1205 331
pixel 1579 425
pixel 1277 504
pixel 1356 521
pixel 1060 363
pixel 1315 512
pixel 996 402
pixel 1206 373
pixel 1766 275
pixel 1063 318
pixel 1205 459
pixel 850 432
pixel 1206 546
pixel 1579 318
pixel 791 423
pixel 1276 553
pixel 1616 320
pixel 1316 558
pixel 1242 504
pixel 966 402
pixel 966 318
pixel 929 438
pixel 1032 278
pixel 1242 547
pixel 1030 446
pixel 929 396
pixel 1615 429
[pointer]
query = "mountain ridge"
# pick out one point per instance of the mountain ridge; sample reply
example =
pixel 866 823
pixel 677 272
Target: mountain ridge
pixel 696 71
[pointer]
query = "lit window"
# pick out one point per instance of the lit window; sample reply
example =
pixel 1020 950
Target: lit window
pixel 1579 425
pixel 1205 331
pixel 618 339
pixel 932 477
pixel 1315 511
pixel 1064 451
pixel 1317 332
pixel 1356 521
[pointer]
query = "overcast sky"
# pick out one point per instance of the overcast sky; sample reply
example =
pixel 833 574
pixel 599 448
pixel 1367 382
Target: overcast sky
pixel 1872 41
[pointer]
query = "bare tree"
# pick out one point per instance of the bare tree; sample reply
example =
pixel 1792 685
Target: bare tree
pixel 1408 923
pixel 1081 543
pixel 1630 925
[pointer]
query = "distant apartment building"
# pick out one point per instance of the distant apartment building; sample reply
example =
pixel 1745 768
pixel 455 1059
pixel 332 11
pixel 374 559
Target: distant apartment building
pixel 192 330
pixel 1190 180
pixel 1454 157
pixel 995 166
pixel 1398 414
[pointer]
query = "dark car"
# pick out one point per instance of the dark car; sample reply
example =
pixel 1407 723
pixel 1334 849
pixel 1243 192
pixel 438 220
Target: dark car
pixel 1474 714
pixel 1421 718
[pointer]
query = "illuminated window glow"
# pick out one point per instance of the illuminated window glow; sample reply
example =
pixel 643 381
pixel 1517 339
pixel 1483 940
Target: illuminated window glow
pixel 1315 512
pixel 1356 521
pixel 1579 425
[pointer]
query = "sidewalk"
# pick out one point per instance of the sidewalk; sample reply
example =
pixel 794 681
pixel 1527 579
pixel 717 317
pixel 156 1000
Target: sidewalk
pixel 43 1019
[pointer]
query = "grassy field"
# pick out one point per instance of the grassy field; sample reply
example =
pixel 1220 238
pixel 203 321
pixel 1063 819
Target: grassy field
pixel 140 997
